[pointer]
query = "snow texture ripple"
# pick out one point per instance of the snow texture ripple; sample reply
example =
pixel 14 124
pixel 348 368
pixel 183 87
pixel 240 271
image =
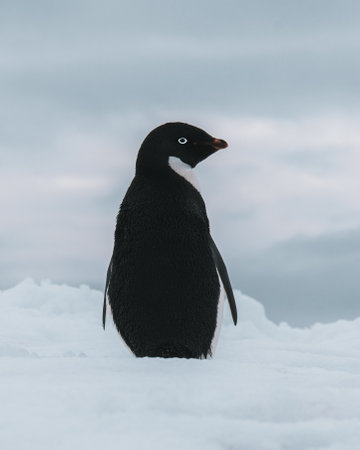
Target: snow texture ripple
pixel 67 384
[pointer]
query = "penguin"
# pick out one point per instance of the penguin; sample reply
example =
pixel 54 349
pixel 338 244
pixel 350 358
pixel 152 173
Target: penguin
pixel 164 279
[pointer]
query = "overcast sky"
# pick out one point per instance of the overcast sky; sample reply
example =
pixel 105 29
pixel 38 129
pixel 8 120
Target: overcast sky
pixel 82 83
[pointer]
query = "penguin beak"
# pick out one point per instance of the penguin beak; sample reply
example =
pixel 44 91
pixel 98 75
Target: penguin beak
pixel 217 144
pixel 210 146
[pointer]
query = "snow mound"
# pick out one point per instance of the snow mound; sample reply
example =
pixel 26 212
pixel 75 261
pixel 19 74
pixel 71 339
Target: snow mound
pixel 65 383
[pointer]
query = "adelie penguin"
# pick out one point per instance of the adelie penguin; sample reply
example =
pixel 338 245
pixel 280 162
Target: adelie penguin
pixel 163 281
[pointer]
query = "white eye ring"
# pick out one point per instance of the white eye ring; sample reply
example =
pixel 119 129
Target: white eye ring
pixel 182 140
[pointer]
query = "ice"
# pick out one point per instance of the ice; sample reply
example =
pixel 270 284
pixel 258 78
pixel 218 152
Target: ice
pixel 67 384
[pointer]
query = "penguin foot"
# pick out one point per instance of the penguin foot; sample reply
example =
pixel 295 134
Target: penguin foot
pixel 174 351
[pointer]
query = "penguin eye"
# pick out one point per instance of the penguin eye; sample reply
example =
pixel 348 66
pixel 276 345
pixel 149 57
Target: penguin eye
pixel 182 140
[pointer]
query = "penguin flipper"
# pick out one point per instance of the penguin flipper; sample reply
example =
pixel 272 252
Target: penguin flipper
pixel 108 276
pixel 220 265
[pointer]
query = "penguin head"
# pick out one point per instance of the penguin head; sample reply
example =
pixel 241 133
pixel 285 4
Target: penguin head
pixel 176 139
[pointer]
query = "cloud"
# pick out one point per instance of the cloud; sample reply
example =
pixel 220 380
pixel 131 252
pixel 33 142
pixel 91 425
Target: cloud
pixel 83 84
pixel 305 277
pixel 288 177
pixel 78 61
pixel 59 219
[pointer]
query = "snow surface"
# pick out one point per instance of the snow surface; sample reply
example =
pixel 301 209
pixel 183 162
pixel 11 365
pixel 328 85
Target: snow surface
pixel 67 384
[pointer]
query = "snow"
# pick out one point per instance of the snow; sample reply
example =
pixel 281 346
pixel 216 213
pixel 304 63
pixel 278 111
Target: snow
pixel 67 384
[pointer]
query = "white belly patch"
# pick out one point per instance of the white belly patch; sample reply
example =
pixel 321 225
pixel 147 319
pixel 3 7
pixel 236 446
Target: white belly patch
pixel 184 170
pixel 220 310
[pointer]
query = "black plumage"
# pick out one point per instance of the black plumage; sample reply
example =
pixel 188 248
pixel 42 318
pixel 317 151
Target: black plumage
pixel 162 282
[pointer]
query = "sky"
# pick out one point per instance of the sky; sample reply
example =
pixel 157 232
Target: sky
pixel 82 84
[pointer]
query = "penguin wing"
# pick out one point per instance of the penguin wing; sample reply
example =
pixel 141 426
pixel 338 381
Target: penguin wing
pixel 108 276
pixel 220 265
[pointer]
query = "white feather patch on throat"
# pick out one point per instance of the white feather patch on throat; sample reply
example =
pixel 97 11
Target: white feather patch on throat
pixel 184 170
